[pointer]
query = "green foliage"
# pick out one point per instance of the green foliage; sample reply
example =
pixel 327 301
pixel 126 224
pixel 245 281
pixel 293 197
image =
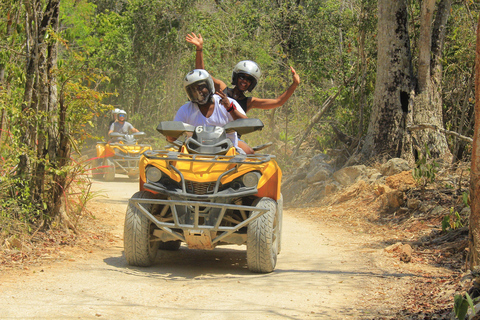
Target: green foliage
pixel 30 193
pixel 466 199
pixel 77 18
pixel 284 137
pixel 133 55
pixel 458 92
pixel 140 44
pixel 425 171
pixel 15 201
pixel 452 221
pixel 461 305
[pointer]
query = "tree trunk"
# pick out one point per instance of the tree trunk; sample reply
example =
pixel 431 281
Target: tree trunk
pixel 428 100
pixel 29 105
pixel 394 77
pixel 40 103
pixel 362 70
pixel 474 226
pixel 58 148
pixel 4 84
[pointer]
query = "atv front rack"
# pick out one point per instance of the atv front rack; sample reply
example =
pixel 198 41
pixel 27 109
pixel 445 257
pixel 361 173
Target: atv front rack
pixel 126 164
pixel 252 159
pixel 124 144
pixel 196 235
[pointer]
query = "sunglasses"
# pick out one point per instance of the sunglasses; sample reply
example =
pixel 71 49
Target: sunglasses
pixel 201 86
pixel 121 115
pixel 244 77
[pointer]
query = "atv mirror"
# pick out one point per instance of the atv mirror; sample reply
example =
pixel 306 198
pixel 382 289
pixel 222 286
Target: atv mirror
pixel 244 126
pixel 174 128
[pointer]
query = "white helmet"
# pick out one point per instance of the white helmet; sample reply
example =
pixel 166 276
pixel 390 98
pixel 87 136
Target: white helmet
pixel 195 78
pixel 247 67
pixel 115 111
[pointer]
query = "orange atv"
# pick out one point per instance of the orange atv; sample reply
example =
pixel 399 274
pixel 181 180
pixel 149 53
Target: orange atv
pixel 120 156
pixel 205 194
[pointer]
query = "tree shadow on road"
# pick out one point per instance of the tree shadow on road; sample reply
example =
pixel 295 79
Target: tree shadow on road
pixel 194 264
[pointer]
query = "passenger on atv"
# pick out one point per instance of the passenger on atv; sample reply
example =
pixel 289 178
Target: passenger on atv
pixel 207 107
pixel 121 126
pixel 245 77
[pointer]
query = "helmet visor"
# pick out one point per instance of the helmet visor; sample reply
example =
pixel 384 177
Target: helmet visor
pixel 246 77
pixel 199 92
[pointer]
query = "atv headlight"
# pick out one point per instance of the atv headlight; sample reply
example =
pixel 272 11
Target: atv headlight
pixel 250 180
pixel 153 174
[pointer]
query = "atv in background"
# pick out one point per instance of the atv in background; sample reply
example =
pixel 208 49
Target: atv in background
pixel 121 155
pixel 205 194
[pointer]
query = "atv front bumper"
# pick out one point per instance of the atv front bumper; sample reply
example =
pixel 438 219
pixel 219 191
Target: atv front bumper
pixel 127 165
pixel 198 235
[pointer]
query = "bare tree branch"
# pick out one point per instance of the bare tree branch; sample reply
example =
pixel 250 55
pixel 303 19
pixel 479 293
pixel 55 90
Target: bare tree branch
pixel 434 127
pixel 326 105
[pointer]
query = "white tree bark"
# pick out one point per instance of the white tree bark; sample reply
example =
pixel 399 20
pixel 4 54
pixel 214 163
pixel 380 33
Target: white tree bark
pixel 427 106
pixel 393 84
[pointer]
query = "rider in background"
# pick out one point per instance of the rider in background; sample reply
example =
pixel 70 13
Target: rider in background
pixel 114 119
pixel 122 126
pixel 207 107
pixel 245 77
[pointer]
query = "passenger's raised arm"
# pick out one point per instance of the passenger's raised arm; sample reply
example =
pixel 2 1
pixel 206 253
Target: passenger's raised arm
pixel 277 102
pixel 197 41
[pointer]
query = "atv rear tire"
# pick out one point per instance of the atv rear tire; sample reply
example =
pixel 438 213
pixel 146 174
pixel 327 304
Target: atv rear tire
pixel 263 236
pixel 97 172
pixel 139 248
pixel 109 170
pixel 133 176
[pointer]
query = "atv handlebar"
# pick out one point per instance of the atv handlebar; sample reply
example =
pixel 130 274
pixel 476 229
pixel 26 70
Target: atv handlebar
pixel 241 126
pixel 126 138
pixel 118 134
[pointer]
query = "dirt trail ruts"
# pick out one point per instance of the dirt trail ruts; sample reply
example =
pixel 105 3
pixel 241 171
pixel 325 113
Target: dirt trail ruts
pixel 322 272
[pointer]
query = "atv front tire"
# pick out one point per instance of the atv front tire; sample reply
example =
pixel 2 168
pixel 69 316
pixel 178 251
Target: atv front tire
pixel 263 236
pixel 280 222
pixel 139 248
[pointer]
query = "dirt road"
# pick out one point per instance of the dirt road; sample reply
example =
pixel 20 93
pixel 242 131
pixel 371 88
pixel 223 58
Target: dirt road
pixel 323 272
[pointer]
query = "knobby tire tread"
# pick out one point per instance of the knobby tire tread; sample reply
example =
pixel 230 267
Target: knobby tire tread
pixel 261 253
pixel 138 251
pixel 109 171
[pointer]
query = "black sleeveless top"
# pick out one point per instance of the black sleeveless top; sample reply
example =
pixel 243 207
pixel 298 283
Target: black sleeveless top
pixel 242 103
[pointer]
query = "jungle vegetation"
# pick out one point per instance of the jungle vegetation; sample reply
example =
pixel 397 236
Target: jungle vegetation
pixel 66 64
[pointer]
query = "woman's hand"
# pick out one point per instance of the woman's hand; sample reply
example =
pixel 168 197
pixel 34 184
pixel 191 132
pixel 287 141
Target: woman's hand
pixel 224 101
pixel 230 107
pixel 296 77
pixel 197 41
